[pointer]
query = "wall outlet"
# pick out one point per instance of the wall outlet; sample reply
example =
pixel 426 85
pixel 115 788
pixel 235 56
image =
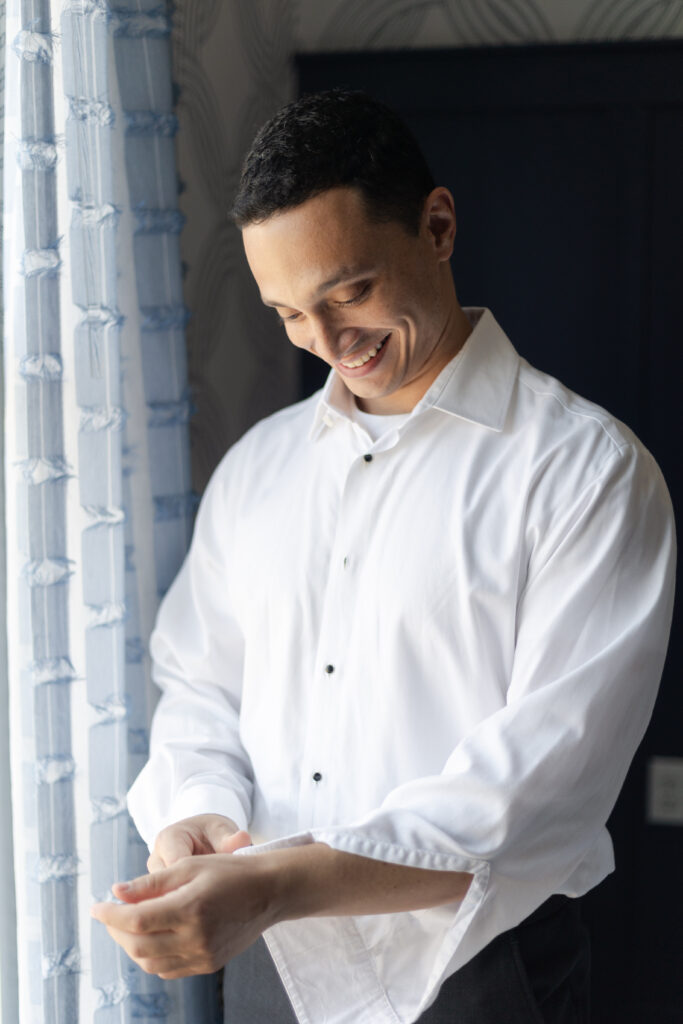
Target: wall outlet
pixel 665 791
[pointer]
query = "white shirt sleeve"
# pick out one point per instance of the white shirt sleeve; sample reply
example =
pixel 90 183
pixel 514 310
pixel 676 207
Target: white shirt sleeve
pixel 530 787
pixel 197 763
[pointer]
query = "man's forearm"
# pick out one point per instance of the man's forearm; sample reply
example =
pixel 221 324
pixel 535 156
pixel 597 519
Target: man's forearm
pixel 213 907
pixel 317 880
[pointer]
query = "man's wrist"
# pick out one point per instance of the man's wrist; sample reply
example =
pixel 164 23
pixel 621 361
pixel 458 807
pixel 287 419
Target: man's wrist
pixel 292 882
pixel 317 880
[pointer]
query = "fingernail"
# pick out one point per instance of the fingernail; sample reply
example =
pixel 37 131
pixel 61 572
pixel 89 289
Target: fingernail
pixel 121 886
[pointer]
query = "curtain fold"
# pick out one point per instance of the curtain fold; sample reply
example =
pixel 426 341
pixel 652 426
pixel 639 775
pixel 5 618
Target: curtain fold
pixel 98 506
pixel 8 921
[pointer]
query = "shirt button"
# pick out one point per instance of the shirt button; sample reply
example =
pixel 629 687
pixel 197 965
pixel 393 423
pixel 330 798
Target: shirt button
pixel 317 776
pixel 368 457
pixel 329 669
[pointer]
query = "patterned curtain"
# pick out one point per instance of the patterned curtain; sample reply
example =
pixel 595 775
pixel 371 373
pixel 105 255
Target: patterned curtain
pixel 97 505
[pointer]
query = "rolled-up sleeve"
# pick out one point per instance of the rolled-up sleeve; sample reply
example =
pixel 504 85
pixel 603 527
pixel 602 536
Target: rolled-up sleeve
pixel 529 788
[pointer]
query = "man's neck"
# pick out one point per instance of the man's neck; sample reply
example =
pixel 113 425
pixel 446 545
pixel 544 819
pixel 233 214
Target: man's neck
pixel 456 332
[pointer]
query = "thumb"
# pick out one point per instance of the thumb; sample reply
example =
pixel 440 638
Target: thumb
pixel 147 887
pixel 218 830
pixel 230 843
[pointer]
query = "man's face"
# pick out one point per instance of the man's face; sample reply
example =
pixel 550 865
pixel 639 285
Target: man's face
pixel 370 299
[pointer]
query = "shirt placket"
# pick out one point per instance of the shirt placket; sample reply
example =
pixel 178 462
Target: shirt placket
pixel 322 763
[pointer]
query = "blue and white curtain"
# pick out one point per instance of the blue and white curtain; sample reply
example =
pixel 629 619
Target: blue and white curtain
pixel 97 504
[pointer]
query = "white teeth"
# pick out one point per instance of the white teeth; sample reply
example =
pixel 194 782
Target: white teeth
pixel 366 358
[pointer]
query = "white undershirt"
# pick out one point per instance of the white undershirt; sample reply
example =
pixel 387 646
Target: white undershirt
pixel 375 425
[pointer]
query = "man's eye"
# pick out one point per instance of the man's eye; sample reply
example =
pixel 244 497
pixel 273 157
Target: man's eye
pixel 288 319
pixel 357 297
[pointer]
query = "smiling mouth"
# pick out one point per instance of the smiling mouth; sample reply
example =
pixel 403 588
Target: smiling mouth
pixel 366 357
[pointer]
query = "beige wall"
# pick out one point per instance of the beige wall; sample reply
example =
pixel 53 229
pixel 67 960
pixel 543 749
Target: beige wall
pixel 232 62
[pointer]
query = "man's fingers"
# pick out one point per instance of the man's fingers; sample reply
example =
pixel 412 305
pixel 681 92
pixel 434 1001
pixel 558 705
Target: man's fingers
pixel 204 833
pixel 140 918
pixel 172 845
pixel 155 954
pixel 229 843
pixel 218 831
pixel 154 862
pixel 148 946
pixel 148 887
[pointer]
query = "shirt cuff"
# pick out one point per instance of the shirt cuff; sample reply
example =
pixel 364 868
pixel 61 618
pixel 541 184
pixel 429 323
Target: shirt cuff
pixel 392 853
pixel 353 841
pixel 371 956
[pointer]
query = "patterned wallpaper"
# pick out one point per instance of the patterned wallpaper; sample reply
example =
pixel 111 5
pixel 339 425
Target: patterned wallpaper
pixel 232 66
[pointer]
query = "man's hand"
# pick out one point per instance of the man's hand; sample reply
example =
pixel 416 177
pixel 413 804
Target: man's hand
pixel 203 833
pixel 192 917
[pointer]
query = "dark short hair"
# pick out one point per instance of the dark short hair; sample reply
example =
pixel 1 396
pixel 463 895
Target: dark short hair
pixel 328 140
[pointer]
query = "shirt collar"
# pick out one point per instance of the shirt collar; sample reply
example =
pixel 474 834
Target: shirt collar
pixel 476 385
pixel 335 403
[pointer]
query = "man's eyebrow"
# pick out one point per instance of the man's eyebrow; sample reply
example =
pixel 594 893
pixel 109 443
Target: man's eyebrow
pixel 343 274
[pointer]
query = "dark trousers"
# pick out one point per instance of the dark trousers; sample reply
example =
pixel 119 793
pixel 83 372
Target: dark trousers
pixel 536 973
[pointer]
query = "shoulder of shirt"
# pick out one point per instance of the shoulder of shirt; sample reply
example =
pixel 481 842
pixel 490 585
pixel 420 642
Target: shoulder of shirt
pixel 575 415
pixel 578 443
pixel 296 418
pixel 284 427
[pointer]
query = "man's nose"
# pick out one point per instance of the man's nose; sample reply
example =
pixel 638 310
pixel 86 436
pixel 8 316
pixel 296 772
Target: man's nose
pixel 327 339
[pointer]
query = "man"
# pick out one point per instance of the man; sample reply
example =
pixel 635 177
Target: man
pixel 415 643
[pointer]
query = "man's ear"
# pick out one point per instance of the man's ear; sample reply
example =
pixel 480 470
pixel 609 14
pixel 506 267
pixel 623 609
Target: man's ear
pixel 439 220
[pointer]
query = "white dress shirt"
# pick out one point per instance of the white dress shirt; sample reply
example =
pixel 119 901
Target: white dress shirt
pixel 438 649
